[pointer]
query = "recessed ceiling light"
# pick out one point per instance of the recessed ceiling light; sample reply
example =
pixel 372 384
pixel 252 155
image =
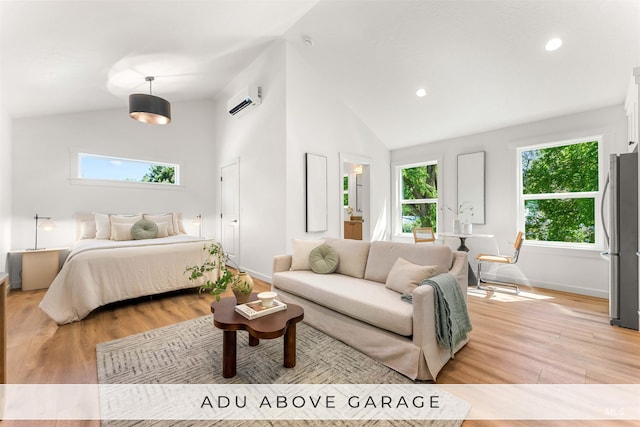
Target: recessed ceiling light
pixel 421 92
pixel 553 44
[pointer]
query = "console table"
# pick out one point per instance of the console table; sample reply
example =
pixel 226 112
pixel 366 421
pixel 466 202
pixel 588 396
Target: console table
pixel 473 280
pixel 463 238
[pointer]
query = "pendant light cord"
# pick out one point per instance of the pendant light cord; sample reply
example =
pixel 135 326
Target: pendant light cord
pixel 150 79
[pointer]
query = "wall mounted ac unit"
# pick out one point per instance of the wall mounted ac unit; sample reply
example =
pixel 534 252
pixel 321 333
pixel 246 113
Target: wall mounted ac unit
pixel 250 96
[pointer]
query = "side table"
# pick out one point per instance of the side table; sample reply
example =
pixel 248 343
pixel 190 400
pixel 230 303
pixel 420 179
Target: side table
pixel 282 323
pixel 37 268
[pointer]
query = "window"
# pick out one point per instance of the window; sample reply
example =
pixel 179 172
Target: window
pixel 418 196
pixel 559 192
pixel 94 167
pixel 345 190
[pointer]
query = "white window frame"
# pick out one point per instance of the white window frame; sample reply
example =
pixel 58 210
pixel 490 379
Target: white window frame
pixel 76 173
pixel 400 201
pixel 596 195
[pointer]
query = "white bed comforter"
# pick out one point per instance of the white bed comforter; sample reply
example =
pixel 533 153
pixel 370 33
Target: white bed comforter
pixel 99 272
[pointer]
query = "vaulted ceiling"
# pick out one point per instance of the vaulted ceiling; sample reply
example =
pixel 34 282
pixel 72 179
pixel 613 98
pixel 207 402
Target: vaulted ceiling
pixel 482 63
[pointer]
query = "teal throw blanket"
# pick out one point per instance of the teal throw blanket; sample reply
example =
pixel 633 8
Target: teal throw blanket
pixel 451 315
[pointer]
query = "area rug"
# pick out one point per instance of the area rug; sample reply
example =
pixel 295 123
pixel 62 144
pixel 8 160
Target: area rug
pixel 190 352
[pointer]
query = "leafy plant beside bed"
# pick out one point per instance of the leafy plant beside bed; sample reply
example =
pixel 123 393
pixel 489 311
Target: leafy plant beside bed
pixel 241 283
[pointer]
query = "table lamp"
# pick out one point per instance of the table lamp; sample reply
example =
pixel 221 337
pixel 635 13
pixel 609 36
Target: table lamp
pixel 46 224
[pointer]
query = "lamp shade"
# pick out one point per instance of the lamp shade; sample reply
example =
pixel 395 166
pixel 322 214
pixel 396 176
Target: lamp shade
pixel 47 224
pixel 149 109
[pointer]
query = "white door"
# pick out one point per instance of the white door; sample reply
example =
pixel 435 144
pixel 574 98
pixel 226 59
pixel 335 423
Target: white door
pixel 230 212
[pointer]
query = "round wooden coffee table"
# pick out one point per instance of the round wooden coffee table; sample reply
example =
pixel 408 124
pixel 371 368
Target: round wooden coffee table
pixel 267 327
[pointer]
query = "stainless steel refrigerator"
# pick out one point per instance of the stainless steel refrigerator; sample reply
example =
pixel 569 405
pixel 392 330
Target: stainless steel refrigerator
pixel 621 236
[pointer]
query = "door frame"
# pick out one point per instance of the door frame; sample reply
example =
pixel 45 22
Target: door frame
pixel 235 256
pixel 351 158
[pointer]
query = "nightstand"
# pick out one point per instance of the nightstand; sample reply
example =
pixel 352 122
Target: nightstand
pixel 39 267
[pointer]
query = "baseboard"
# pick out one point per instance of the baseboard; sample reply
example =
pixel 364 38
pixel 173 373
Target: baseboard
pixel 548 285
pixel 257 275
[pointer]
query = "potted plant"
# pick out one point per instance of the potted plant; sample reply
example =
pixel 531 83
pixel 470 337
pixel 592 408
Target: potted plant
pixel 222 277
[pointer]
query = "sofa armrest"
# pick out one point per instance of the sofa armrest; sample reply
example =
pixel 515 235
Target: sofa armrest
pixel 424 330
pixel 281 263
pixel 424 326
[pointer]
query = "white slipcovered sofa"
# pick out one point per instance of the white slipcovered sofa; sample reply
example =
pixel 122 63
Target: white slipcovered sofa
pixel 355 304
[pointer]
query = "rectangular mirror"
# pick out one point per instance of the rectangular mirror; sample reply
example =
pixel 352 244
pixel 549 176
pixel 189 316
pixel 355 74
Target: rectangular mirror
pixel 316 192
pixel 359 192
pixel 471 182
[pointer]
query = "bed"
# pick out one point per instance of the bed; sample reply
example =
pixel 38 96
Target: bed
pixel 99 271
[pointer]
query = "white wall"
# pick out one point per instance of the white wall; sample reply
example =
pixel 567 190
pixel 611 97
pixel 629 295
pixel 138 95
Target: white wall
pixel 42 150
pixel 579 271
pixel 256 137
pixel 299 113
pixel 5 186
pixel 319 122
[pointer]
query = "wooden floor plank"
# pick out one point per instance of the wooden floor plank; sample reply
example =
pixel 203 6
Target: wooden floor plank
pixel 537 337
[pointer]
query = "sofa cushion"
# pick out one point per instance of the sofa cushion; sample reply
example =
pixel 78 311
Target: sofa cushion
pixel 352 254
pixel 323 259
pixel 364 300
pixel 383 255
pixel 405 276
pixel 301 251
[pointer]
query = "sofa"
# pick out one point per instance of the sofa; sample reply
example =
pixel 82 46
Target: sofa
pixel 360 303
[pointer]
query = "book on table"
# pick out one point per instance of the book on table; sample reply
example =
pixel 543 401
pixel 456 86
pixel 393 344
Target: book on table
pixel 255 309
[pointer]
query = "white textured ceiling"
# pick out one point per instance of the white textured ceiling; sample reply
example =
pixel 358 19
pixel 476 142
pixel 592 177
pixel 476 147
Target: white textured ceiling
pixel 482 63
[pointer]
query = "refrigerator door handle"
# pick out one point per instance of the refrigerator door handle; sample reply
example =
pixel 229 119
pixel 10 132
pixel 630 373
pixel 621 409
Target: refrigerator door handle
pixel 602 204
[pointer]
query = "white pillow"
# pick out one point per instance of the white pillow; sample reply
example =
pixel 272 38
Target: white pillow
pixel 163 229
pixel 103 226
pixel 181 228
pixel 176 223
pixel 121 231
pixel 168 218
pixel 301 251
pixel 405 276
pixel 88 230
pixel 123 219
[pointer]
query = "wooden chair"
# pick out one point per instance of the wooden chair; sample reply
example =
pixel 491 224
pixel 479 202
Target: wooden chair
pixel 502 259
pixel 423 234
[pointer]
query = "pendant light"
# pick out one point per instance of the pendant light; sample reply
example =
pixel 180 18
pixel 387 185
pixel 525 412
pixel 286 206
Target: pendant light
pixel 149 108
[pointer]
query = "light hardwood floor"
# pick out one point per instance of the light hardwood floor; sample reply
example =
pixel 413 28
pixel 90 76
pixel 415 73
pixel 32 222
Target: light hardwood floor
pixel 537 337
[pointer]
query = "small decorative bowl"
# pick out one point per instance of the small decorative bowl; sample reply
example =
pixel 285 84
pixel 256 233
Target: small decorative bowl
pixel 267 298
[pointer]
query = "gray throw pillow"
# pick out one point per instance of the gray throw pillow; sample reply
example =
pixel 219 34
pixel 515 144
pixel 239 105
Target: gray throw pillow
pixel 323 259
pixel 144 229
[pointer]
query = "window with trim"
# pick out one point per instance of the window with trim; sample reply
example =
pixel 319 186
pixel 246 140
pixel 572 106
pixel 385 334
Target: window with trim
pixel 560 192
pixel 95 167
pixel 418 195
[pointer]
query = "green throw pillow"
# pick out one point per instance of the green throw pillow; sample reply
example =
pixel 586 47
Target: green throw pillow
pixel 144 229
pixel 323 259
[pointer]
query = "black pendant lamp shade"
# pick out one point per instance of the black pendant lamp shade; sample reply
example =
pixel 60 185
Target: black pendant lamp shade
pixel 149 108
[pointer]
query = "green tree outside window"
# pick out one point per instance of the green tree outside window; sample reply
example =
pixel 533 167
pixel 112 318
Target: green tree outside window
pixel 559 190
pixel 159 173
pixel 419 197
